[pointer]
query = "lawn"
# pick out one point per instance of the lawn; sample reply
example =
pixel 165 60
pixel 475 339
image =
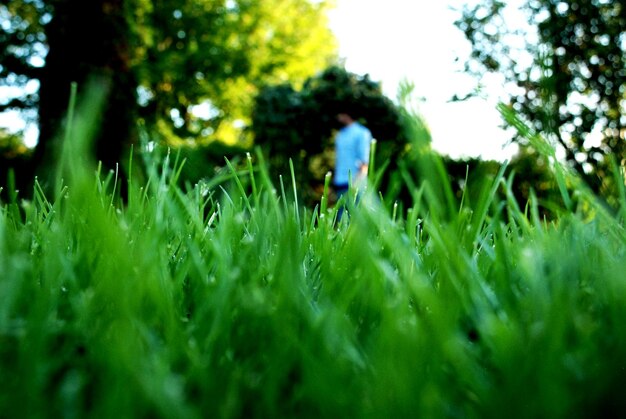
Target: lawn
pixel 229 299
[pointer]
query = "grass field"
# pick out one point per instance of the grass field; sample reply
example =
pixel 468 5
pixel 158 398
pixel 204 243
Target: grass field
pixel 237 302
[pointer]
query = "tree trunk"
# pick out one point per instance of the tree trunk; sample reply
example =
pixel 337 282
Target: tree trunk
pixel 87 38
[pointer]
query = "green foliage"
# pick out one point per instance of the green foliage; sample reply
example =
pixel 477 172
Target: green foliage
pixel 13 155
pixel 230 300
pixel 22 47
pixel 81 42
pixel 529 175
pixel 11 145
pixel 574 90
pixel 188 69
pixel 219 54
pixel 300 123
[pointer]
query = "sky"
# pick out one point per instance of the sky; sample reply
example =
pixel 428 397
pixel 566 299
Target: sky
pixel 416 40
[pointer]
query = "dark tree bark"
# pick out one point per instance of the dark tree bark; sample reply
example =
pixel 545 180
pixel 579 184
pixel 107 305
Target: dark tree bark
pixel 87 39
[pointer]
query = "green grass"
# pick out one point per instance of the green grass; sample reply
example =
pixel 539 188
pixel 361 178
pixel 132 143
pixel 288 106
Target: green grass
pixel 236 302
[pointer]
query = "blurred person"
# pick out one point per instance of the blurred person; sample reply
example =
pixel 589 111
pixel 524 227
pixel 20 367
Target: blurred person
pixel 352 149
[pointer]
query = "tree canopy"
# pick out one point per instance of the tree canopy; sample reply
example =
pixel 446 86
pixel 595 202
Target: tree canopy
pixel 566 73
pixel 189 69
pixel 201 63
pixel 298 123
pixel 22 53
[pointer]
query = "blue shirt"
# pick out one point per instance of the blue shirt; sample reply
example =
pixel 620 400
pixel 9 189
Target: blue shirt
pixel 352 147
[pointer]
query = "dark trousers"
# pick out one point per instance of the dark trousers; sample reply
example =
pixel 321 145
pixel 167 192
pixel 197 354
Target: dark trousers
pixel 341 191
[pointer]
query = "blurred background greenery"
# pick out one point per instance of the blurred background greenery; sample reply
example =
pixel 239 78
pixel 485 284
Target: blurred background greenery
pixel 213 78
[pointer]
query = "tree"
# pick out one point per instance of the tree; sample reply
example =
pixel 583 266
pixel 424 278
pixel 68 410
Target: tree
pixel 88 40
pixel 52 43
pixel 572 86
pixel 298 123
pixel 188 68
pixel 529 174
pixel 13 151
pixel 204 61
pixel 23 47
pixel 22 52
